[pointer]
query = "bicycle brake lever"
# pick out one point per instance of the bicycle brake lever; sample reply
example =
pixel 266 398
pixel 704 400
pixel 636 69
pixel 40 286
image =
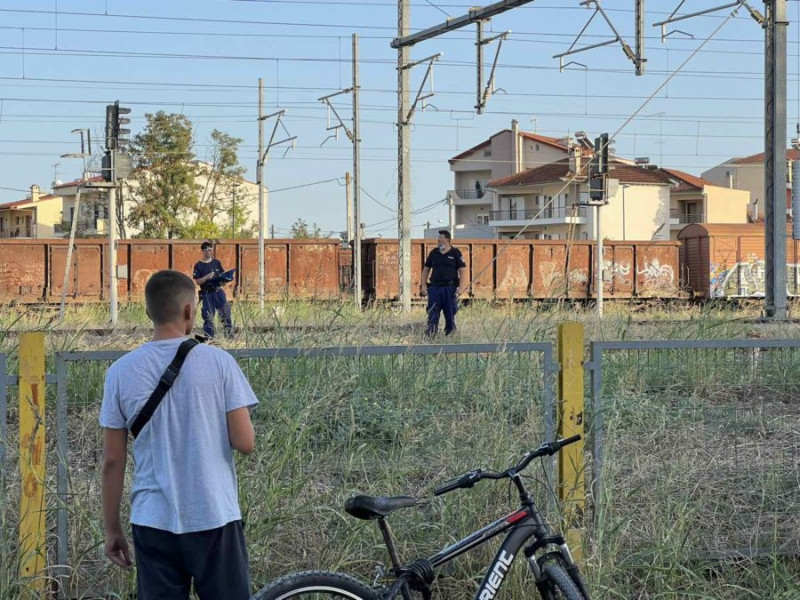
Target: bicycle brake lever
pixel 471 478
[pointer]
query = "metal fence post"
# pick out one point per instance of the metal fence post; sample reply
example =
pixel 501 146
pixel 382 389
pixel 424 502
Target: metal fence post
pixel 3 422
pixel 597 426
pixel 3 439
pixel 62 514
pixel 571 490
pixel 550 372
pixel 32 542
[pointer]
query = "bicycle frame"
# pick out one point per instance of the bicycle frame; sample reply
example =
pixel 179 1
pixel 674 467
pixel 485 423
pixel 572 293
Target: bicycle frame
pixel 521 525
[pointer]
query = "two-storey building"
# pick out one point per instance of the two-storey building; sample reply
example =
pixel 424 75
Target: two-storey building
pixel 505 154
pixel 747 173
pixel 644 203
pixel 51 215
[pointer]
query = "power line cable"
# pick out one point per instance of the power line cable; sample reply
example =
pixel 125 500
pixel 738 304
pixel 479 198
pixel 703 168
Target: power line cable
pixel 612 137
pixel 304 185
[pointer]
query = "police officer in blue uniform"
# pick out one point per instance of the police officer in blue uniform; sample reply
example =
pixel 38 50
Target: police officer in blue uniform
pixel 446 269
pixel 207 273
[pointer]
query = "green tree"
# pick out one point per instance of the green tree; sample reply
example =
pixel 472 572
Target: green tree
pixel 223 208
pixel 164 195
pixel 301 230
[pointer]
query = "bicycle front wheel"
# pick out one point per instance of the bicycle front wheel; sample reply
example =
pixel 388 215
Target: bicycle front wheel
pixel 559 585
pixel 316 585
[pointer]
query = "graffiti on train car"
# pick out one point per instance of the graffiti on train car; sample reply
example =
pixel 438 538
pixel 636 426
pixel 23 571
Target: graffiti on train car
pixel 554 280
pixel 658 277
pixel 747 279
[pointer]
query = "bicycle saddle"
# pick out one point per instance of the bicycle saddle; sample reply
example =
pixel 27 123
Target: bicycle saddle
pixel 372 507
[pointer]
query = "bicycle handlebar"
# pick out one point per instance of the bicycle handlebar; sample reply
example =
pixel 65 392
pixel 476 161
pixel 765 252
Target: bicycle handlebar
pixel 470 478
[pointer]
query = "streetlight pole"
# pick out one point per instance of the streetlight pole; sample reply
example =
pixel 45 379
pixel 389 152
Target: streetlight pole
pixel 624 187
pixel 233 213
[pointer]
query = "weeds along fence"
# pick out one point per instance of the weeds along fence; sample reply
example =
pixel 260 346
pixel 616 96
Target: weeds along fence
pixel 693 460
pixel 332 422
pixel 696 461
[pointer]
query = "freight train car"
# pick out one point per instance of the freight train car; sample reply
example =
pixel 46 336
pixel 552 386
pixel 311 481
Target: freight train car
pixel 727 261
pixel 32 271
pixel 707 261
pixel 534 269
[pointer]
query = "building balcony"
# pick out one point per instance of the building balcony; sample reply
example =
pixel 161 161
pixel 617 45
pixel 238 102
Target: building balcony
pixel 18 232
pixel 464 231
pixel 86 227
pixel 679 218
pixel 471 197
pixel 551 215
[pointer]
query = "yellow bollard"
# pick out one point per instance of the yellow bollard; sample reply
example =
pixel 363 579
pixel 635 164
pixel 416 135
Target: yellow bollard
pixel 571 490
pixel 32 460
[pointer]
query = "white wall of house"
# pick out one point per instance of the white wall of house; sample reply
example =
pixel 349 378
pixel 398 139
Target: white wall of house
pixel 644 214
pixel 246 195
pixel 472 215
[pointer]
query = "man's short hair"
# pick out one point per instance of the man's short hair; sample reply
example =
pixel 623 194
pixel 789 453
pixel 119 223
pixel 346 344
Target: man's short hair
pixel 445 233
pixel 166 293
pixel 205 245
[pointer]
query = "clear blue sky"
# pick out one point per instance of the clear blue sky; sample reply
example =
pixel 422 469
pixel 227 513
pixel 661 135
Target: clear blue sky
pixel 61 61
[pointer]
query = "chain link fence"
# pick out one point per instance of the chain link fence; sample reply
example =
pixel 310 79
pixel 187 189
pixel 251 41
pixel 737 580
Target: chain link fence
pixel 696 449
pixel 331 423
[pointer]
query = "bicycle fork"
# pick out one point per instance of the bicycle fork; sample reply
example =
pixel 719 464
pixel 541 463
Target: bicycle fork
pixel 563 556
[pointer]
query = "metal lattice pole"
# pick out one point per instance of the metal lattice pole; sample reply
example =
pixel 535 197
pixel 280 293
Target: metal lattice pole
pixel 356 180
pixel 262 224
pixel 775 300
pixel 403 158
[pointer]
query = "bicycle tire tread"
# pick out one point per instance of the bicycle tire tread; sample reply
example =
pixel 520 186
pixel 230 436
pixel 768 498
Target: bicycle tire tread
pixel 284 585
pixel 562 582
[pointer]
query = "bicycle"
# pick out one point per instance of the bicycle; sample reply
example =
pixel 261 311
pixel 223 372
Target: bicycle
pixel 556 574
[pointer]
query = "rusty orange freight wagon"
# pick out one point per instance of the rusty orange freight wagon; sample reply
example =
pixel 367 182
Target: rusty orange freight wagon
pixel 33 270
pixel 534 269
pixel 727 261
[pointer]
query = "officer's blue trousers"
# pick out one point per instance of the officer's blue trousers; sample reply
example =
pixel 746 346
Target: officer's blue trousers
pixel 441 299
pixel 214 302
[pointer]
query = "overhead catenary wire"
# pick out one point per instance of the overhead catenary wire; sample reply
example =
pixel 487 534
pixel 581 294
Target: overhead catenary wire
pixel 517 37
pixel 611 139
pixel 122 54
pixel 388 2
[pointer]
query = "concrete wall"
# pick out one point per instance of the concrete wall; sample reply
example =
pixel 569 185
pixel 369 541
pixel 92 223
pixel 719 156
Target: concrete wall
pixel 481 159
pixel 465 180
pixel 644 214
pixel 748 178
pixel 502 147
pixel 246 195
pixel 724 205
pixel 45 213
pixel 468 215
pixel 535 154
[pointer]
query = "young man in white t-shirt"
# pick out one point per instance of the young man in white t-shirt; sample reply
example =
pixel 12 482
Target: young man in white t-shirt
pixel 185 516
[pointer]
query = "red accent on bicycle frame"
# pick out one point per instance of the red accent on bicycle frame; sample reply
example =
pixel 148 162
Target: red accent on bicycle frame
pixel 517 516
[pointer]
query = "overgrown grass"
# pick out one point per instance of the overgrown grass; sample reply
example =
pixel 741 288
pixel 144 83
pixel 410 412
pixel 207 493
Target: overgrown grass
pixel 681 429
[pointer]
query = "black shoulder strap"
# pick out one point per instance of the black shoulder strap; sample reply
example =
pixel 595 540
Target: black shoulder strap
pixel 166 381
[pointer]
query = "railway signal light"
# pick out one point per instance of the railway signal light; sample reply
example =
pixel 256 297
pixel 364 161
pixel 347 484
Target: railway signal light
pixel 598 171
pixel 601 153
pixel 106 169
pixel 116 132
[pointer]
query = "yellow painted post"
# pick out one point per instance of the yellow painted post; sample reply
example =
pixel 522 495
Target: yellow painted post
pixel 571 491
pixel 32 460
